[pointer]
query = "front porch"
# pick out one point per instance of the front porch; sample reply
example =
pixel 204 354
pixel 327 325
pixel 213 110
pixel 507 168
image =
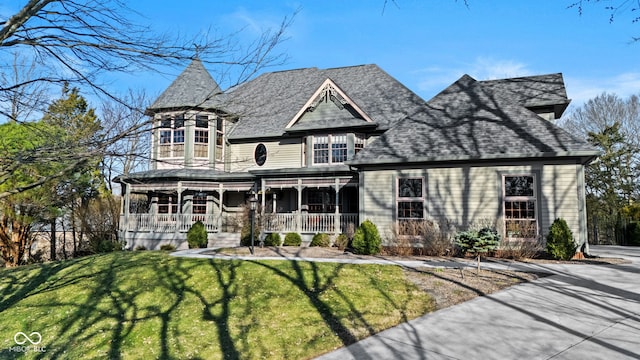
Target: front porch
pixel 162 211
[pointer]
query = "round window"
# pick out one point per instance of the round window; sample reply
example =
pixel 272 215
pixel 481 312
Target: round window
pixel 260 154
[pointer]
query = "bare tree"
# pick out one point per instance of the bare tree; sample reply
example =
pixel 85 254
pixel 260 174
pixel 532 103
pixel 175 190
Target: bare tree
pixel 131 152
pixel 615 8
pixel 76 42
pixel 612 124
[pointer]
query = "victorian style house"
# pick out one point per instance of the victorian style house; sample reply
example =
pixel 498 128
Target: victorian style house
pixel 325 149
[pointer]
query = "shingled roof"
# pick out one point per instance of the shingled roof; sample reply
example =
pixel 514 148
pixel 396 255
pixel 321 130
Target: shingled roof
pixel 193 88
pixel 474 120
pixel 268 103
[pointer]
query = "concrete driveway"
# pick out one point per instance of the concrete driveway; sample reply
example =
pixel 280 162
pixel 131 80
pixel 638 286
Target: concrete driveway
pixel 581 312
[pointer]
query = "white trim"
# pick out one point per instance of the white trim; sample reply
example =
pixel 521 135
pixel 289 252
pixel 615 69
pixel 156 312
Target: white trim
pixel 331 86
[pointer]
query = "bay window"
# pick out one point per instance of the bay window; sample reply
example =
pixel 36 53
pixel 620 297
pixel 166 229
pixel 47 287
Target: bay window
pixel 171 137
pixel 201 137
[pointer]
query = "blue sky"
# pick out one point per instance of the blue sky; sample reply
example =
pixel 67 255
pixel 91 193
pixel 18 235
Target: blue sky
pixel 426 45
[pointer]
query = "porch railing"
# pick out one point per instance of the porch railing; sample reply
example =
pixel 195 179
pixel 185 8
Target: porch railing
pixel 309 223
pixel 167 222
pixel 279 222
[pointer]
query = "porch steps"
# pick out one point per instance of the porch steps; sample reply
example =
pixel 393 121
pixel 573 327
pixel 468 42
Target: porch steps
pixel 221 240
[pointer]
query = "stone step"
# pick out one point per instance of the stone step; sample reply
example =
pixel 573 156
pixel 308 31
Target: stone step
pixel 221 240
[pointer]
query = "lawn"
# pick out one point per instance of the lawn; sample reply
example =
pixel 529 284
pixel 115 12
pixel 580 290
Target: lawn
pixel 147 304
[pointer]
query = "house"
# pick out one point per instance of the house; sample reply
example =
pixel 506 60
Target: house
pixel 325 149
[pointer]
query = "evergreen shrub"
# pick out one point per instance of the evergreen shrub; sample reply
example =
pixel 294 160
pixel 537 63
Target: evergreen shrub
pixel 273 239
pixel 560 243
pixel 366 240
pixel 292 239
pixel 321 239
pixel 197 236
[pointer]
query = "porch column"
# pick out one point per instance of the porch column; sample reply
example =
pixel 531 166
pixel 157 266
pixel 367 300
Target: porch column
pixel 220 202
pixel 153 207
pixel 125 208
pixel 299 215
pixel 178 215
pixel 336 224
pixel 263 202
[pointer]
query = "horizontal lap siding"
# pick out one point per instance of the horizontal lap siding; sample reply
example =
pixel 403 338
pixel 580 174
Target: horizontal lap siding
pixel 280 154
pixel 560 197
pixel 466 196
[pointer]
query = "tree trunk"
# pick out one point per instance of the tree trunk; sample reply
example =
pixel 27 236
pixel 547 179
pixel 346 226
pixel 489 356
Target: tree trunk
pixel 52 254
pixel 15 239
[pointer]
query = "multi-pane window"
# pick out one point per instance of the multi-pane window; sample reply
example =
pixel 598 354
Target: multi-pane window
pixel 321 149
pixel 167 204
pixel 520 206
pixel 199 204
pixel 171 137
pixel 338 145
pixel 359 143
pixel 409 203
pixel 219 139
pixel 339 148
pixel 201 137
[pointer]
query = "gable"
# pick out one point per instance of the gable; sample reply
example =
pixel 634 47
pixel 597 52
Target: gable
pixel 269 103
pixel 329 106
pixel 472 121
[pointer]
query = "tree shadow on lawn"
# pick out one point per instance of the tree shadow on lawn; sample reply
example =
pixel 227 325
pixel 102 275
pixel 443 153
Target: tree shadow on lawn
pixel 107 308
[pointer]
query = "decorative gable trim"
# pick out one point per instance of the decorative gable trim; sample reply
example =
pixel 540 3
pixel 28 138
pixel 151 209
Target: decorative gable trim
pixel 330 91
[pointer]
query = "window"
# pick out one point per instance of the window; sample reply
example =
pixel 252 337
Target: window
pixel 338 145
pixel 320 149
pixel 409 203
pixel 520 206
pixel 219 139
pixel 339 148
pixel 167 204
pixel 321 201
pixel 201 137
pixel 359 143
pixel 171 137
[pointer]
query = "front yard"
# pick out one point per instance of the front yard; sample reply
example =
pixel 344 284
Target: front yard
pixel 147 304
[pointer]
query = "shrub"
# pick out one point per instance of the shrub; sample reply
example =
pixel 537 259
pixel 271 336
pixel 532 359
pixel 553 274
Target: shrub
pixel 197 236
pixel 167 247
pixel 477 242
pixel 272 239
pixel 520 249
pixel 321 239
pixel 292 239
pixel 140 248
pixel 341 242
pixel 633 234
pixel 245 235
pixel 366 240
pixel 560 243
pixel 99 246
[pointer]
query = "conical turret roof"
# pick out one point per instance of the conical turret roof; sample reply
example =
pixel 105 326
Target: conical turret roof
pixel 193 88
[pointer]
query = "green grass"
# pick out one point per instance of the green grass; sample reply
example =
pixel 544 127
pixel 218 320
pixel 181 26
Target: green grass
pixel 144 305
